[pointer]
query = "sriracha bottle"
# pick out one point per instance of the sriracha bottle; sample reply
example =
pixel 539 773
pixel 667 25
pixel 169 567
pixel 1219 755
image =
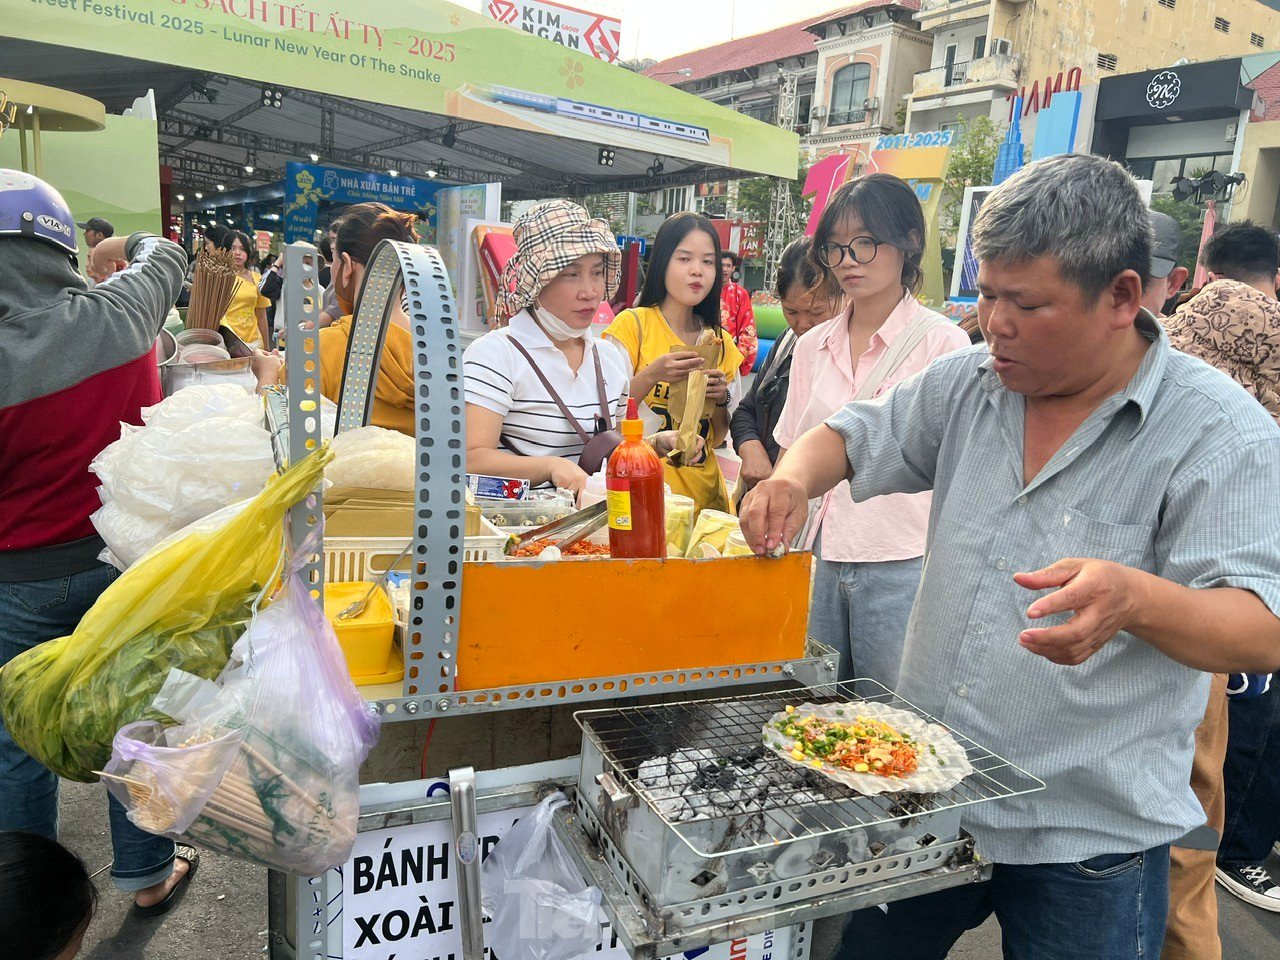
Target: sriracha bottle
pixel 637 498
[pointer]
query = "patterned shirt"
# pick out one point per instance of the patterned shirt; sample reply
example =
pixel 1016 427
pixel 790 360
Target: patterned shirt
pixel 1178 474
pixel 1235 328
pixel 738 317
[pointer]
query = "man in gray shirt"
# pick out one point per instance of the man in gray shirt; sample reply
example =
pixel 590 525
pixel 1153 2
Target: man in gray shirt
pixel 1139 490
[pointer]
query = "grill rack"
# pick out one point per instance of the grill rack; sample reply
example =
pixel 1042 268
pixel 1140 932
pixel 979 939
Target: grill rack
pixel 730 727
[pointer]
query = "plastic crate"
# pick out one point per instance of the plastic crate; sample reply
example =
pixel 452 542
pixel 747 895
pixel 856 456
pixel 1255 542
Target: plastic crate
pixel 351 559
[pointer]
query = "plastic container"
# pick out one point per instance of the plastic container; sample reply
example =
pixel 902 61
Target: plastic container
pixel 189 338
pixel 593 492
pixel 680 511
pixel 544 507
pixel 367 639
pixel 713 528
pixel 202 353
pixel 736 546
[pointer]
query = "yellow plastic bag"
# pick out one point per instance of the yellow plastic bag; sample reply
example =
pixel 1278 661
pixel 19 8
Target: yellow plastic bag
pixel 181 606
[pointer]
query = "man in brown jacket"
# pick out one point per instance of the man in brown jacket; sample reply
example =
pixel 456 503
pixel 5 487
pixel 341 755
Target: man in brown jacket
pixel 1233 324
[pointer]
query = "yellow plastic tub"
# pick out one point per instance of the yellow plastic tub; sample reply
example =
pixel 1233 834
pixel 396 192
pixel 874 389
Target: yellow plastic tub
pixel 367 639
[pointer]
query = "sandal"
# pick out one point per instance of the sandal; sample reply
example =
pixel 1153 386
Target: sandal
pixel 161 907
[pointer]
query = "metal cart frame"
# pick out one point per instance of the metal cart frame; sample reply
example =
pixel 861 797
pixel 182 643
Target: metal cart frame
pixel 302 911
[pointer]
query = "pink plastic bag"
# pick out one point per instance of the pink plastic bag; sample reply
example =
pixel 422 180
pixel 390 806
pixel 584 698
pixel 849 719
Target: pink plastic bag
pixel 263 764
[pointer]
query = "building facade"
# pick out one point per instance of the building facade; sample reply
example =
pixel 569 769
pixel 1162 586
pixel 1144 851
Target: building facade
pixel 987 52
pixel 867 57
pixel 745 75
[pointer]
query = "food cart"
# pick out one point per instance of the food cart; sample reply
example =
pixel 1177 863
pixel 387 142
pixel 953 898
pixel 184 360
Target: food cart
pixel 767 847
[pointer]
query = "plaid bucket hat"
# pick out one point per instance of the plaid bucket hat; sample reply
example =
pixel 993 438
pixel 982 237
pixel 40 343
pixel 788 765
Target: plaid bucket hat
pixel 549 237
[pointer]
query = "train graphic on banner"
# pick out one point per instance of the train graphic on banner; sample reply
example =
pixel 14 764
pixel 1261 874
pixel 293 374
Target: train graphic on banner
pixel 564 107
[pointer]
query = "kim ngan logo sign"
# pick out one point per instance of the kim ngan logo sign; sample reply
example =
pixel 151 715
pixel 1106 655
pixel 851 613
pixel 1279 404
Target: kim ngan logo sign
pixel 596 34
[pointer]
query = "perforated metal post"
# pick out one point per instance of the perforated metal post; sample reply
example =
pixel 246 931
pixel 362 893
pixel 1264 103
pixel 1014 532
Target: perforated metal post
pixel 301 305
pixel 299 917
pixel 440 507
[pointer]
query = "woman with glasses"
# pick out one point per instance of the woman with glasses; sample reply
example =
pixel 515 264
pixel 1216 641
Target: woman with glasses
pixel 869 243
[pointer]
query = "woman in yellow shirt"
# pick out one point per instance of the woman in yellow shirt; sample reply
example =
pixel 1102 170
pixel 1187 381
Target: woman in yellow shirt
pixel 358 231
pixel 681 300
pixel 246 314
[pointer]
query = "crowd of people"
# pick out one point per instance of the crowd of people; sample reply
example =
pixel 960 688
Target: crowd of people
pixel 1063 539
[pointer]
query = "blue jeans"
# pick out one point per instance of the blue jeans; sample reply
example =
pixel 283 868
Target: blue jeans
pixel 1251 776
pixel 32 613
pixel 1111 907
pixel 861 611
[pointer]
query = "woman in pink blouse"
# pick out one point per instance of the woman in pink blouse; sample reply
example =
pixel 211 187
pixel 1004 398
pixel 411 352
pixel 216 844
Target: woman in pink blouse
pixel 869 242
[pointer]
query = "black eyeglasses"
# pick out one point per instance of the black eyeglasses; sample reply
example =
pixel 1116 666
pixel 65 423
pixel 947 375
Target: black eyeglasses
pixel 859 249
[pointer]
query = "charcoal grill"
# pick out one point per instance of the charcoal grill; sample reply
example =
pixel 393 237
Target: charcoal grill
pixel 735 832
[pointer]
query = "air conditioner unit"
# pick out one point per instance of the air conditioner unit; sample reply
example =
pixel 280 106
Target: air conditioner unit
pixel 1231 132
pixel 1001 46
pixel 871 103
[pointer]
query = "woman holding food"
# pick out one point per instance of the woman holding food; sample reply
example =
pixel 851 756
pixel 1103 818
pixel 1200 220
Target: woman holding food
pixel 868 243
pixel 807 300
pixel 246 314
pixel 671 334
pixel 361 228
pixel 544 397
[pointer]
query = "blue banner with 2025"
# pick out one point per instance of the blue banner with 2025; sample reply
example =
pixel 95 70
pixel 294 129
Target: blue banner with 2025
pixel 307 185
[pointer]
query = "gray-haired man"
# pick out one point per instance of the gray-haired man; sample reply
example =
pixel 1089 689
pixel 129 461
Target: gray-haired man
pixel 1141 488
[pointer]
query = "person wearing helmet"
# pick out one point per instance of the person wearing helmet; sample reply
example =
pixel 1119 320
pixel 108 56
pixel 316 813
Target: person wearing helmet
pixel 74 364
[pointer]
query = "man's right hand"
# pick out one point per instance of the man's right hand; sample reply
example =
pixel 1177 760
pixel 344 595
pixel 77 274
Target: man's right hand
pixel 755 463
pixel 773 514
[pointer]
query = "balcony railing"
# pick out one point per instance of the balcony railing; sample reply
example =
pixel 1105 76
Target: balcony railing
pixel 998 71
pixel 845 118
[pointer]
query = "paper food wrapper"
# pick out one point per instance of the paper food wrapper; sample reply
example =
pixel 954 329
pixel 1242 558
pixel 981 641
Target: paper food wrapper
pixel 938 771
pixel 711 353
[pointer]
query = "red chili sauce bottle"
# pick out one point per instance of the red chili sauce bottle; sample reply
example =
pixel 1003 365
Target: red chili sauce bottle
pixel 637 498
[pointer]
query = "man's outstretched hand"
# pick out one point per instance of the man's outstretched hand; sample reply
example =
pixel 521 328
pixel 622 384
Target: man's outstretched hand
pixel 1102 595
pixel 773 513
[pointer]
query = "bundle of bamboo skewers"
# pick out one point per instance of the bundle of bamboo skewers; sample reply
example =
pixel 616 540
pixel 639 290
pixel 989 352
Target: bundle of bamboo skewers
pixel 292 821
pixel 212 287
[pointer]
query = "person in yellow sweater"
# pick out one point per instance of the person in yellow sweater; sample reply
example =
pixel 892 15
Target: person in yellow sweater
pixel 680 300
pixel 357 232
pixel 246 314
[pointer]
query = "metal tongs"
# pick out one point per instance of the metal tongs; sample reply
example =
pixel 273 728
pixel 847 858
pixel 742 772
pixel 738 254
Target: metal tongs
pixel 579 526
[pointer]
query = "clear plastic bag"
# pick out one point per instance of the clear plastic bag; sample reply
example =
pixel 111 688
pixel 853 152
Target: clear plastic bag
pixel 540 907
pixel 201 401
pixel 372 457
pixel 181 607
pixel 265 763
pixel 187 474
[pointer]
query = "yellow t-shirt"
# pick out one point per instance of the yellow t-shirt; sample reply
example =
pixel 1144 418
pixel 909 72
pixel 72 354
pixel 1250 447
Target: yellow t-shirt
pixel 646 336
pixel 241 315
pixel 393 394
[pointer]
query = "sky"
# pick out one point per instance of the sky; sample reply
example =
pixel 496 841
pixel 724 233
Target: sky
pixel 663 28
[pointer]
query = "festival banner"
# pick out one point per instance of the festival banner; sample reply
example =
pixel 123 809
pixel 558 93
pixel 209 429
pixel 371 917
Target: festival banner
pixel 424 55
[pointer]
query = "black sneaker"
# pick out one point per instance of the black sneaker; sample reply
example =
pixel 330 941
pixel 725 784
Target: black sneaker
pixel 1252 885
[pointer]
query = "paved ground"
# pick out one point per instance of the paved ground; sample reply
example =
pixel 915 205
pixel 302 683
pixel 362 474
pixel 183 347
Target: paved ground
pixel 224 917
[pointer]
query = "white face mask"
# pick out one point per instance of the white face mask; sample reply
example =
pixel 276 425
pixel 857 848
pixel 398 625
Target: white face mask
pixel 557 329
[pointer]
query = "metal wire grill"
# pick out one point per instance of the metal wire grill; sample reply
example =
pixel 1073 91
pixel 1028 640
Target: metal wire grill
pixel 747 783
